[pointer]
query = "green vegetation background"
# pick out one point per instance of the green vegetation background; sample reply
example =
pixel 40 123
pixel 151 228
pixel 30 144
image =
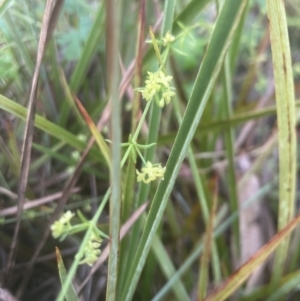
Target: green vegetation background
pixel 188 241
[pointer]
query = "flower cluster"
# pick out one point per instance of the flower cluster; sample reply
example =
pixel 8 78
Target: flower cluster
pixel 150 172
pixel 62 225
pixel 91 250
pixel 168 39
pixel 158 84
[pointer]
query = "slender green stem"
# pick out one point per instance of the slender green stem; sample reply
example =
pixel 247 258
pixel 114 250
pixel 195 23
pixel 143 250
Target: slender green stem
pixel 112 39
pixel 141 156
pixel 138 129
pixel 125 157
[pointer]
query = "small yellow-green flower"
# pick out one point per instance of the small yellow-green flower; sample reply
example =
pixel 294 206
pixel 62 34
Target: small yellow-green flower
pixel 157 83
pixel 163 79
pixel 92 251
pixel 168 39
pixel 166 98
pixel 62 225
pixel 152 86
pixel 150 172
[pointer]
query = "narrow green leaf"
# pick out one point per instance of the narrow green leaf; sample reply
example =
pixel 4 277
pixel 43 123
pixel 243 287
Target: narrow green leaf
pixel 98 137
pixel 47 126
pixel 168 268
pixel 237 279
pixel 286 114
pixel 289 284
pixel 229 145
pixel 71 294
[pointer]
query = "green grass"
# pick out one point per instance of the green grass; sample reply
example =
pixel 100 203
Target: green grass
pixel 227 140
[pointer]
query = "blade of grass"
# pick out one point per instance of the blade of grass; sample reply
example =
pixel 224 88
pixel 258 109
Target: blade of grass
pixel 229 144
pixel 97 135
pixel 71 293
pixel 237 279
pixel 209 69
pixel 128 202
pixel 222 124
pixel 47 126
pixel 168 268
pixel 69 96
pixel 286 114
pixel 208 240
pixel 290 283
pixel 199 185
pixel 234 47
pixel 112 44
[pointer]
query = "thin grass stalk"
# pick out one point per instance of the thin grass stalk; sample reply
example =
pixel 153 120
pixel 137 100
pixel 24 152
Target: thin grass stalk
pixel 144 189
pixel 168 269
pixel 295 246
pixel 127 205
pixel 229 143
pixel 234 47
pixel 112 30
pixel 286 115
pixel 69 97
pixel 29 129
pixel 129 194
pixel 223 124
pixel 208 240
pixel 203 203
